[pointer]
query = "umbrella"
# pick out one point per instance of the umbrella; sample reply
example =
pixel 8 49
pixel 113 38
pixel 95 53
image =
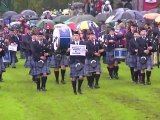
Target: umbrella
pixel 151 16
pixel 80 18
pixel 72 26
pixel 29 13
pixel 133 15
pixel 116 14
pixel 61 18
pixel 153 11
pixel 43 22
pixel 78 4
pixel 87 25
pixel 9 13
pixel 102 17
pixel 15 17
pixel 157 19
pixel 15 25
pixel 60 25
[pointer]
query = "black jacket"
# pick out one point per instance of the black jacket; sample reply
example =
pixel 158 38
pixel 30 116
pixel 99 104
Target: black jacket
pixel 143 44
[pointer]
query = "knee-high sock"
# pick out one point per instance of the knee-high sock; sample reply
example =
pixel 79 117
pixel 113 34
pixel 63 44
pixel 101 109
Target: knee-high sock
pixel 92 79
pixel 143 77
pixel 148 74
pixel 74 83
pixel 110 70
pixel 89 80
pixel 132 73
pixel 136 76
pixel 56 75
pixel 63 73
pixel 0 76
pixel 38 82
pixel 97 76
pixel 80 81
pixel 116 68
pixel 44 79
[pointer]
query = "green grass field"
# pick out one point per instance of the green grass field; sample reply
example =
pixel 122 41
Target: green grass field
pixel 115 100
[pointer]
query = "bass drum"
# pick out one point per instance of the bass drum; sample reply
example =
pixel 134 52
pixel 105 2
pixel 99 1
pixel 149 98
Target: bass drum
pixel 61 37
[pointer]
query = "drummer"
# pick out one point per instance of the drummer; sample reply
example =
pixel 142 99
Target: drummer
pixel 59 60
pixel 109 46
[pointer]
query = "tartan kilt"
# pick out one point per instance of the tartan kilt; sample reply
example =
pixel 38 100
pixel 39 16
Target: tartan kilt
pixel 54 63
pixel 2 67
pixel 74 72
pixel 131 60
pixel 144 66
pixel 89 69
pixel 36 70
pixel 109 58
pixel 28 62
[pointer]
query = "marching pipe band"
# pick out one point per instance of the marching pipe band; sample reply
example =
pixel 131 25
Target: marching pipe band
pixel 135 44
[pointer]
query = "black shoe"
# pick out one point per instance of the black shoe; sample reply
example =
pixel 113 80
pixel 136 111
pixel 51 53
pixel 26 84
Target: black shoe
pixel 57 81
pixel 75 93
pixel 13 66
pixel 38 90
pixel 116 77
pixel 91 87
pixel 148 83
pixel 110 77
pixel 63 82
pixel 1 80
pixel 96 86
pixel 44 89
pixel 80 91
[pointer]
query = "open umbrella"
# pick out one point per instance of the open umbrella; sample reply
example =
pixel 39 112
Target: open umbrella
pixel 87 25
pixel 102 17
pixel 15 17
pixel 78 4
pixel 9 13
pixel 29 13
pixel 80 18
pixel 72 26
pixel 157 19
pixel 42 23
pixel 151 16
pixel 61 18
pixel 60 25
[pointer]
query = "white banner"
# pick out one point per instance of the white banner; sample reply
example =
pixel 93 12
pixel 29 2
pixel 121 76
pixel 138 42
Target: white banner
pixel 13 47
pixel 77 50
pixel 150 1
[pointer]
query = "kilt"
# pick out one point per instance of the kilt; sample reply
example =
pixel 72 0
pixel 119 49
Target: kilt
pixel 89 69
pixel 109 58
pixel 131 60
pixel 2 67
pixel 54 63
pixel 36 70
pixel 144 66
pixel 28 62
pixel 74 72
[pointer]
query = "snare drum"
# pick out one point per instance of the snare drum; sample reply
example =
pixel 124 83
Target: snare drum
pixel 61 37
pixel 120 53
